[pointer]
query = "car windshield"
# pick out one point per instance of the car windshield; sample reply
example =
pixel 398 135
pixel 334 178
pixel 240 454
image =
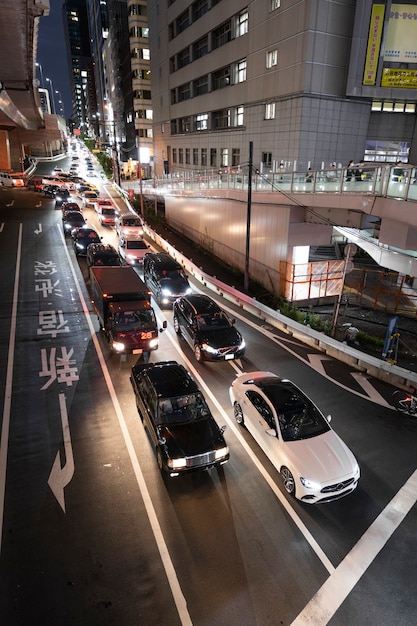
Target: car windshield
pixel 131 221
pixel 135 245
pixel 298 417
pixel 139 319
pixel 106 211
pixel 107 259
pixel 169 274
pixel 210 320
pixel 189 408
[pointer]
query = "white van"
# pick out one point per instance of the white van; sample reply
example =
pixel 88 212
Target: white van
pixel 6 180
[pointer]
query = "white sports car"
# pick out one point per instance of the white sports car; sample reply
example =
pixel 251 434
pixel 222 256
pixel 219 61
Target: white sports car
pixel 314 463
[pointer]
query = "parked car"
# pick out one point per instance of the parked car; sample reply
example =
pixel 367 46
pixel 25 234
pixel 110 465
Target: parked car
pixel 132 250
pixel 129 224
pixel 83 237
pixel 71 220
pixel 61 195
pixel 207 329
pixel 314 463
pixel 99 254
pixel 165 278
pixel 50 190
pixel 35 184
pixel 183 432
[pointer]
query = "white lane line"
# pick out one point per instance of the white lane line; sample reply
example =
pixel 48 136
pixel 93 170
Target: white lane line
pixel 177 594
pixel 337 587
pixel 4 441
pixel 268 479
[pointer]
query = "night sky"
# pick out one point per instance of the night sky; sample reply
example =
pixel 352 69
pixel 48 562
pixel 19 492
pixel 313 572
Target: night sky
pixel 52 55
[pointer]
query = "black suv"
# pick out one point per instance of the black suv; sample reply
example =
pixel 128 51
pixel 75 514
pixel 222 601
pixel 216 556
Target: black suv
pixel 183 432
pixel 165 278
pixel 71 220
pixel 102 254
pixel 207 328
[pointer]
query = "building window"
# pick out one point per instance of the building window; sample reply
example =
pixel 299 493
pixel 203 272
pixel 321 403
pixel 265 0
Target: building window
pixel 267 159
pixel 183 58
pixel 221 119
pixel 235 156
pixel 224 155
pixel 201 121
pixel 185 124
pixel 204 157
pixel 241 71
pixel 242 23
pixel 180 156
pixel 187 156
pixel 221 78
pixel 200 48
pixel 275 4
pixel 222 35
pixel 182 22
pixel 270 111
pixel 198 8
pixel 239 116
pixel 174 155
pixel 138 9
pixel 271 58
pixel 213 157
pixel 184 92
pixel 195 156
pixel 200 86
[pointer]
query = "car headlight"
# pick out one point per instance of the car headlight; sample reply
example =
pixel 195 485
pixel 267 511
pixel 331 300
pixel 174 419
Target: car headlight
pixel 309 484
pixel 165 291
pixel 153 343
pixel 221 453
pixel 177 463
pixel 210 349
pixel 118 346
pixel 242 345
pixel 189 290
pixel 79 245
pixel 356 471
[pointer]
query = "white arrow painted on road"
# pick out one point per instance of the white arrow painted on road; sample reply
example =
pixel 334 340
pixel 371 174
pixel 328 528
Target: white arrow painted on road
pixel 38 230
pixel 61 476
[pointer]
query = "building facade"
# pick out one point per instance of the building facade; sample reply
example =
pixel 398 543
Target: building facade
pixel 288 76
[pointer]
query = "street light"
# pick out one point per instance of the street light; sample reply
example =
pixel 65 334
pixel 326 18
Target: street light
pixel 41 73
pixel 49 80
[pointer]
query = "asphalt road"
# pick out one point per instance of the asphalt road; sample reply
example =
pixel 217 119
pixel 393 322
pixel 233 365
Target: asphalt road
pixel 92 533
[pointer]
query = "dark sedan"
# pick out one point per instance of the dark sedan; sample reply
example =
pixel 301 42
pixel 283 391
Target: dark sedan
pixel 83 237
pixel 71 220
pixel 207 328
pixel 99 254
pixel 183 432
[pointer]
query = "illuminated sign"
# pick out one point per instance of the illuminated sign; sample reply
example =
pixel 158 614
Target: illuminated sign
pixel 401 40
pixel 374 44
pixel 402 79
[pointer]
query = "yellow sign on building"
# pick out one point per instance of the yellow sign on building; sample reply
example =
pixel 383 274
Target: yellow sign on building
pixel 402 79
pixel 374 44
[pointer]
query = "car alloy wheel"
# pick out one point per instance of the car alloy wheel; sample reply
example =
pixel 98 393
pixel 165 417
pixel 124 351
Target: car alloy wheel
pixel 198 354
pixel 159 459
pixel 288 480
pixel 237 409
pixel 177 325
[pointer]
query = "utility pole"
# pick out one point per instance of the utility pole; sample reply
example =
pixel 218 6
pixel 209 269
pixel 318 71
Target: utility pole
pixel 248 220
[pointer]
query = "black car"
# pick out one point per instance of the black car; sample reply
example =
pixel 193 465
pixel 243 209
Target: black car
pixel 183 432
pixel 207 328
pixel 102 254
pixel 83 237
pixel 71 220
pixel 50 190
pixel 165 278
pixel 61 195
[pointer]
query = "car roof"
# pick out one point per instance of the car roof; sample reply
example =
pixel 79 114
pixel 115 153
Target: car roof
pixel 169 378
pixel 163 261
pixel 201 303
pixel 104 247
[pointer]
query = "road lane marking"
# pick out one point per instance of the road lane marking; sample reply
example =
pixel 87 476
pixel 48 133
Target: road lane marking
pixel 4 441
pixel 60 477
pixel 337 587
pixel 168 565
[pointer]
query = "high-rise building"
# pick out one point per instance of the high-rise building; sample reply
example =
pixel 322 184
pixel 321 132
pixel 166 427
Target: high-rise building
pixel 308 82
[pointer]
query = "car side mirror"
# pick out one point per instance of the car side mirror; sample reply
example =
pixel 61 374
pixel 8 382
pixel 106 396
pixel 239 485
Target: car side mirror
pixel 164 326
pixel 329 418
pixel 223 428
pixel 271 432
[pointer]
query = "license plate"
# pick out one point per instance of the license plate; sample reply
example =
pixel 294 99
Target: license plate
pixel 137 351
pixel 228 357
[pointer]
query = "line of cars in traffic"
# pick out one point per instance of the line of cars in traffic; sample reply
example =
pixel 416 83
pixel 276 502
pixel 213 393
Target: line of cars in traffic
pixel 315 465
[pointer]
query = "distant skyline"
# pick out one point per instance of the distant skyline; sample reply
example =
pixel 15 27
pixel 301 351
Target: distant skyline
pixel 52 55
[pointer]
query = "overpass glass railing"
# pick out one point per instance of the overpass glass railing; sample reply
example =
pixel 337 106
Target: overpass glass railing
pixel 396 181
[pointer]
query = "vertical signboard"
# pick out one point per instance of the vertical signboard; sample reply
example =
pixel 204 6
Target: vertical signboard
pixel 374 44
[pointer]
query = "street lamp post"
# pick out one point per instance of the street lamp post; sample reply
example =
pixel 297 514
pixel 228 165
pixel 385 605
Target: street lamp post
pixel 49 80
pixel 41 73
